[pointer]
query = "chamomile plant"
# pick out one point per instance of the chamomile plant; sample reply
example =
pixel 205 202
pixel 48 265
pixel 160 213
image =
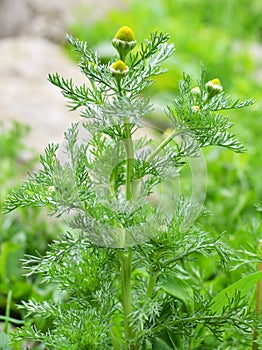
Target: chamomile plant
pixel 127 264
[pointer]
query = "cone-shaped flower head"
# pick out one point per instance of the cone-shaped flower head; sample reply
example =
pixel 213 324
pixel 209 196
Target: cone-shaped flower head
pixel 213 87
pixel 118 69
pixel 124 41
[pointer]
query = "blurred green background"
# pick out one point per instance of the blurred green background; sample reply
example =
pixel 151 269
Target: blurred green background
pixel 226 37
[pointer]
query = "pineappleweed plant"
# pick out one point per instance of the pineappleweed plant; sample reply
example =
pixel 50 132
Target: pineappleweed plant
pixel 126 267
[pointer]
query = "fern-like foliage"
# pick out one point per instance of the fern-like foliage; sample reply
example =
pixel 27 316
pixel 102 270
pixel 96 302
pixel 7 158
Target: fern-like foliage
pixel 126 266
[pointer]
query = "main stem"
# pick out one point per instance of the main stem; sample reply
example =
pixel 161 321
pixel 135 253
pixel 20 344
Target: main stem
pixel 126 257
pixel 129 161
pixel 126 263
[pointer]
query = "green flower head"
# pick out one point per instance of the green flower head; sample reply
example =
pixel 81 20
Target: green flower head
pixel 124 41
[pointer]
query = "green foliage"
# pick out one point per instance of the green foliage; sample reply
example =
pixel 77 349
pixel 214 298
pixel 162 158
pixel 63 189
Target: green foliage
pixel 126 267
pixel 23 232
pixel 4 342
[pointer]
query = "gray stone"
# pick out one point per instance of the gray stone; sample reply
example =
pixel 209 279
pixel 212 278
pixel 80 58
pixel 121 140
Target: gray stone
pixel 49 19
pixel 27 96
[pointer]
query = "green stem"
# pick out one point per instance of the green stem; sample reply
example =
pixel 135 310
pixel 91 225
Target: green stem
pixel 129 161
pixel 162 145
pixel 11 320
pixel 126 257
pixel 126 260
pixel 151 283
pixel 7 311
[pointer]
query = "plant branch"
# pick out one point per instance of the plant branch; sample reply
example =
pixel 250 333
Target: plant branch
pixel 151 282
pixel 162 145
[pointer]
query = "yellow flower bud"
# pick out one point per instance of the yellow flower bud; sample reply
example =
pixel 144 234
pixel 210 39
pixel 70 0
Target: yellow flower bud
pixel 124 41
pixel 125 34
pixel 118 69
pixel 213 87
pixel 216 81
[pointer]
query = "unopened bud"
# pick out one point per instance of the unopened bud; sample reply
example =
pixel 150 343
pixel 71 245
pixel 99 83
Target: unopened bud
pixel 213 87
pixel 124 41
pixel 195 109
pixel 118 69
pixel 196 91
pixel 51 189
